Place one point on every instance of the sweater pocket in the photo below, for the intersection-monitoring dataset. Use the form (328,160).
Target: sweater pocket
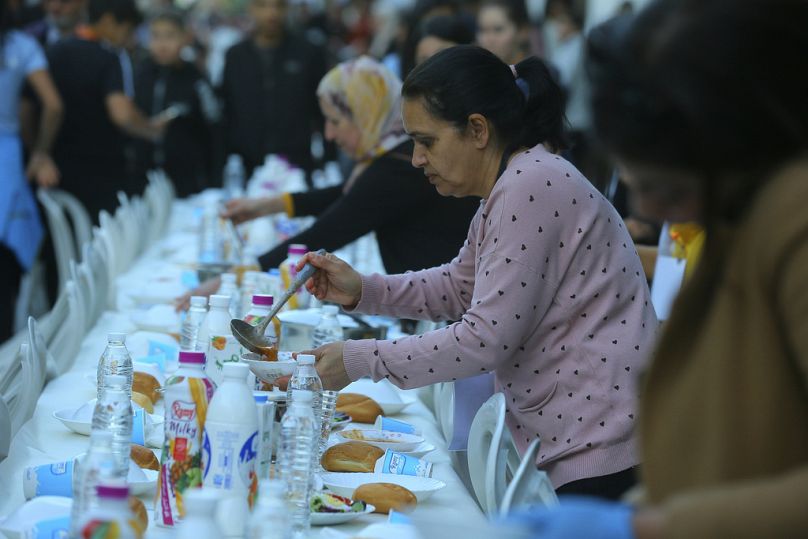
(528,408)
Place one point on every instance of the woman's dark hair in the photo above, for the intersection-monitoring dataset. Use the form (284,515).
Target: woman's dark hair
(171,16)
(466,79)
(421,12)
(450,28)
(716,87)
(515,10)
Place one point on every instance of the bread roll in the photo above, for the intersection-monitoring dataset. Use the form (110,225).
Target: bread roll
(362,409)
(143,401)
(144,457)
(147,384)
(139,511)
(351,457)
(386,496)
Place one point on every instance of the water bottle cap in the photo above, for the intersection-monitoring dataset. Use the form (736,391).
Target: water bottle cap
(236,371)
(264,300)
(305,359)
(98,435)
(188,357)
(302,396)
(220,301)
(199,301)
(228,277)
(200,501)
(115,380)
(112,491)
(116,337)
(298,249)
(330,309)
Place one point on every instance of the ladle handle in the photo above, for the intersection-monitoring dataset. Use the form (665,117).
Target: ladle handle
(300,279)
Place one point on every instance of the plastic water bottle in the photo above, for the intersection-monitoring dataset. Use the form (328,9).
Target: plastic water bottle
(269,519)
(297,449)
(230,448)
(97,466)
(305,377)
(113,414)
(234,176)
(229,287)
(189,335)
(200,511)
(328,329)
(115,360)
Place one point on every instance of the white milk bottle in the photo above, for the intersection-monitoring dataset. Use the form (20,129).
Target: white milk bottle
(222,347)
(230,448)
(288,273)
(188,393)
(259,310)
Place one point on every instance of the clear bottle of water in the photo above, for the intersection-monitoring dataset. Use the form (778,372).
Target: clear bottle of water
(115,360)
(234,176)
(229,287)
(305,377)
(297,448)
(97,466)
(269,519)
(113,414)
(328,329)
(189,336)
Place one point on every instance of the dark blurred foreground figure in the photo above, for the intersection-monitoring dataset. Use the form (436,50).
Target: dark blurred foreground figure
(704,106)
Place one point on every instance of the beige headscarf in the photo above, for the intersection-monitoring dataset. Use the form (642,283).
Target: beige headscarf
(368,94)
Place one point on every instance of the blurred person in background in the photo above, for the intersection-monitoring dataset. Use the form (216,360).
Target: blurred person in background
(414,225)
(439,33)
(269,90)
(423,11)
(61,19)
(703,106)
(165,81)
(503,28)
(21,61)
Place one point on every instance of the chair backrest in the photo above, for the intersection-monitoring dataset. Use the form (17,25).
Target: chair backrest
(59,228)
(69,334)
(530,487)
(5,429)
(99,272)
(79,217)
(446,407)
(20,398)
(83,296)
(39,351)
(492,456)
(50,323)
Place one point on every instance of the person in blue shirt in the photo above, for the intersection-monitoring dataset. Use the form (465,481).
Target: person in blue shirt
(21,60)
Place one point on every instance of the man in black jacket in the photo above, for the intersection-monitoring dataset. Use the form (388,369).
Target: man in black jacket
(269,90)
(167,83)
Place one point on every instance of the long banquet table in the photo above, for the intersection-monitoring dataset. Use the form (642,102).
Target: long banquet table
(43,439)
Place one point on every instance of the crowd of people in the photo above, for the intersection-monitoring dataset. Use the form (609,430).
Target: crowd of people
(484,148)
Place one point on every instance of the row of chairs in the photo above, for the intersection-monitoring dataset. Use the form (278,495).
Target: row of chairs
(47,348)
(502,480)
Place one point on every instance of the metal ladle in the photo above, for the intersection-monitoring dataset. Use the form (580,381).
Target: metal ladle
(252,337)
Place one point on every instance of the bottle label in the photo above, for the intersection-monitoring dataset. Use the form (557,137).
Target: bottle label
(223,349)
(112,527)
(48,480)
(186,404)
(229,458)
(400,464)
(266,427)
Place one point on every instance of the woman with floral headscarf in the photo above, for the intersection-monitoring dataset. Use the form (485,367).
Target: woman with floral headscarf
(416,227)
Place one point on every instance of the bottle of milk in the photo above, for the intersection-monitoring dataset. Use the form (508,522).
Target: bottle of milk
(187,395)
(222,347)
(230,448)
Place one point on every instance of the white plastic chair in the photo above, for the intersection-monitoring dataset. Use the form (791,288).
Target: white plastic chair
(60,231)
(83,296)
(99,274)
(20,398)
(530,487)
(82,225)
(40,355)
(5,429)
(492,456)
(68,335)
(446,410)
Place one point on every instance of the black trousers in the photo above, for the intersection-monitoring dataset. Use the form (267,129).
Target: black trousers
(10,278)
(609,487)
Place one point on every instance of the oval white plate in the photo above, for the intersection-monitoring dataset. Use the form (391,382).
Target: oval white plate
(330,519)
(344,484)
(269,371)
(147,486)
(397,441)
(421,450)
(84,427)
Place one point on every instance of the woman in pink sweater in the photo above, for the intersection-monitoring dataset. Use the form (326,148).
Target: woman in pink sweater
(548,291)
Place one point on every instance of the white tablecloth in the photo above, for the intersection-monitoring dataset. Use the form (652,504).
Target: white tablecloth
(43,439)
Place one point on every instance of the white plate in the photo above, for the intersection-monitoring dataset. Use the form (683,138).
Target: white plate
(84,427)
(269,371)
(344,484)
(421,450)
(330,519)
(397,441)
(383,392)
(18,523)
(159,318)
(147,486)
